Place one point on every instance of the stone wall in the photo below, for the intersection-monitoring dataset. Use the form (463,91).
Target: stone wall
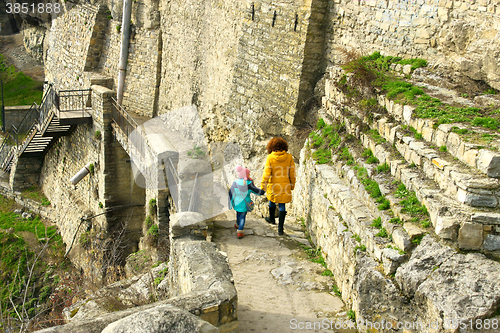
(463,35)
(279,58)
(67,47)
(14,115)
(140,89)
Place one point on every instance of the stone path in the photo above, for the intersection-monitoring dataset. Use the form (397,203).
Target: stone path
(279,289)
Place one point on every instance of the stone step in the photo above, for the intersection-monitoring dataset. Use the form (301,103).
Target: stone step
(464,183)
(475,155)
(348,198)
(451,219)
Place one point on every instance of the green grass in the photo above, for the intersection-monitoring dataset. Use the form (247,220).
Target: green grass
(360,247)
(315,255)
(19,89)
(377,223)
(346,156)
(356,238)
(382,233)
(376,136)
(383,168)
(351,315)
(336,290)
(16,253)
(322,156)
(324,139)
(35,193)
(396,220)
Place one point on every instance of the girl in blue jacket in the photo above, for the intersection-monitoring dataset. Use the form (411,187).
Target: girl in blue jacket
(239,197)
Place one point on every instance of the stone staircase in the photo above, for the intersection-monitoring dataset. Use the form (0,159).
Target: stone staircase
(405,267)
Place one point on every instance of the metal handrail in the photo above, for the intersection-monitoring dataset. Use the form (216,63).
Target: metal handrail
(128,126)
(74,100)
(192,200)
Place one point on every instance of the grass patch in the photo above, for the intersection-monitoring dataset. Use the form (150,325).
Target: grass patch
(351,315)
(17,253)
(362,248)
(336,290)
(322,156)
(376,136)
(377,223)
(19,89)
(383,168)
(397,249)
(382,233)
(35,193)
(315,255)
(417,239)
(346,156)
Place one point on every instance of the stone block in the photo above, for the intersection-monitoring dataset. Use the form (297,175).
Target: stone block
(391,260)
(476,200)
(491,242)
(424,260)
(470,236)
(489,162)
(447,227)
(401,239)
(441,137)
(440,163)
(475,288)
(427,133)
(470,157)
(397,111)
(407,113)
(486,218)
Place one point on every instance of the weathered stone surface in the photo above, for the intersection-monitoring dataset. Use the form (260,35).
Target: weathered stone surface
(491,242)
(489,162)
(464,286)
(391,259)
(470,236)
(161,319)
(447,227)
(424,259)
(476,200)
(117,296)
(377,295)
(486,218)
(401,239)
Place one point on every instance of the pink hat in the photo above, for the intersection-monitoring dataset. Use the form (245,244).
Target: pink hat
(241,171)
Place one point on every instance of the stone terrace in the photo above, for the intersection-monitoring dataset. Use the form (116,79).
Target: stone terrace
(458,186)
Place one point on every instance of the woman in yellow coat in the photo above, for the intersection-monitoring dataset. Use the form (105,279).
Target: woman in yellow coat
(278,179)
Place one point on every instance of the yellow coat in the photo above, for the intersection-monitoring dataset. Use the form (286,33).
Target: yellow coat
(278,179)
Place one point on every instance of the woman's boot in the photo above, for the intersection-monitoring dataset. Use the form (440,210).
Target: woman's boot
(271,217)
(281,222)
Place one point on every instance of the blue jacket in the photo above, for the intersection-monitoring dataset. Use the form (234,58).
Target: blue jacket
(240,192)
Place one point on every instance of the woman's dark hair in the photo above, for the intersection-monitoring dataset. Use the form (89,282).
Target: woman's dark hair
(277,144)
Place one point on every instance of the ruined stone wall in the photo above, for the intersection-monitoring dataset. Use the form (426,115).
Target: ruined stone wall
(461,34)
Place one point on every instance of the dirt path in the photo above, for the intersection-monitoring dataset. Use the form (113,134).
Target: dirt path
(279,289)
